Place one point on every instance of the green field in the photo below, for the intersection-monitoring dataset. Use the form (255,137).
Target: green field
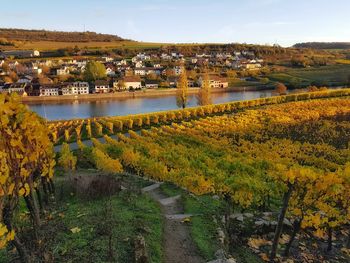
(335,75)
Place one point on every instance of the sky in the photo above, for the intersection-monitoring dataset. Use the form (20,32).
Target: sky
(283,22)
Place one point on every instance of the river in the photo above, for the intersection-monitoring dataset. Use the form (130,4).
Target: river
(119,107)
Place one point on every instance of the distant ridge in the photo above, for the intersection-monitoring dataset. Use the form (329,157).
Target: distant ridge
(14,34)
(324,45)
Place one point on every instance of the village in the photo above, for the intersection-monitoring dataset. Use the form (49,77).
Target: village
(31,73)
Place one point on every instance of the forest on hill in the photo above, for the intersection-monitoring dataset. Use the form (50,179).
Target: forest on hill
(12,34)
(324,45)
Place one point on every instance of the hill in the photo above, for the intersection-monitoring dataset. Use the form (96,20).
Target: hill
(323,45)
(13,34)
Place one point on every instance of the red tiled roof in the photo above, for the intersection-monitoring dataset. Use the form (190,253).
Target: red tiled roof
(132,79)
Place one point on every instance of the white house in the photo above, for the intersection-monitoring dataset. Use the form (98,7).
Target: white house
(215,82)
(151,84)
(165,56)
(62,71)
(49,90)
(101,86)
(78,87)
(250,66)
(138,64)
(147,70)
(107,59)
(132,82)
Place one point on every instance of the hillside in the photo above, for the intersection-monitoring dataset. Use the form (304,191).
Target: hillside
(323,45)
(11,34)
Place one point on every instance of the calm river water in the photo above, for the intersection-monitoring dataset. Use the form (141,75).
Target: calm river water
(119,107)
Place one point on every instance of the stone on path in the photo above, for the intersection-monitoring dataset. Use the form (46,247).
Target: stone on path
(169,200)
(150,188)
(178,216)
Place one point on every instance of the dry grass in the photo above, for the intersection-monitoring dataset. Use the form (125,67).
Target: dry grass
(51,45)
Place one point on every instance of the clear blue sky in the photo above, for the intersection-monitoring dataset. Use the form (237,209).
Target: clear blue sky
(251,21)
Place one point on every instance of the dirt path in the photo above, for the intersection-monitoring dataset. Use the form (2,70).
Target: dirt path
(178,244)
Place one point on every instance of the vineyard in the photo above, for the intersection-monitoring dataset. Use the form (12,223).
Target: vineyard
(83,129)
(290,161)
(259,180)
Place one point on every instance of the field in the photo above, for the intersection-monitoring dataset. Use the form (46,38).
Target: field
(250,160)
(50,45)
(334,75)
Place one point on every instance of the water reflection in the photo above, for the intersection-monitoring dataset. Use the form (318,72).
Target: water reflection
(125,106)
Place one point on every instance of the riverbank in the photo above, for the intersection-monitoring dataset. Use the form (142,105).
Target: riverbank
(128,95)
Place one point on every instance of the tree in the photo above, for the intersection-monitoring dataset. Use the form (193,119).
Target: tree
(121,85)
(281,89)
(26,167)
(13,76)
(45,70)
(204,94)
(5,66)
(67,160)
(94,71)
(182,90)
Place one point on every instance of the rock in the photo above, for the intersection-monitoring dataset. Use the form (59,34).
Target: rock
(216,197)
(221,235)
(235,215)
(262,222)
(220,254)
(287,222)
(223,220)
(178,216)
(140,250)
(249,215)
(150,188)
(222,258)
(267,214)
(240,218)
(273,223)
(225,260)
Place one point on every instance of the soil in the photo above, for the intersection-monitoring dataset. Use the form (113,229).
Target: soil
(178,244)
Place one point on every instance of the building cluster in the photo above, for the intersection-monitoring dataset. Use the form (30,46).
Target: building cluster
(52,77)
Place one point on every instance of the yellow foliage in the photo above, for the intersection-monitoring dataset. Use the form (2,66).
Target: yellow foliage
(105,163)
(67,159)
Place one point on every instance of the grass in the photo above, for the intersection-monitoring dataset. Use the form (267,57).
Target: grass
(203,228)
(334,75)
(54,45)
(245,255)
(131,214)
